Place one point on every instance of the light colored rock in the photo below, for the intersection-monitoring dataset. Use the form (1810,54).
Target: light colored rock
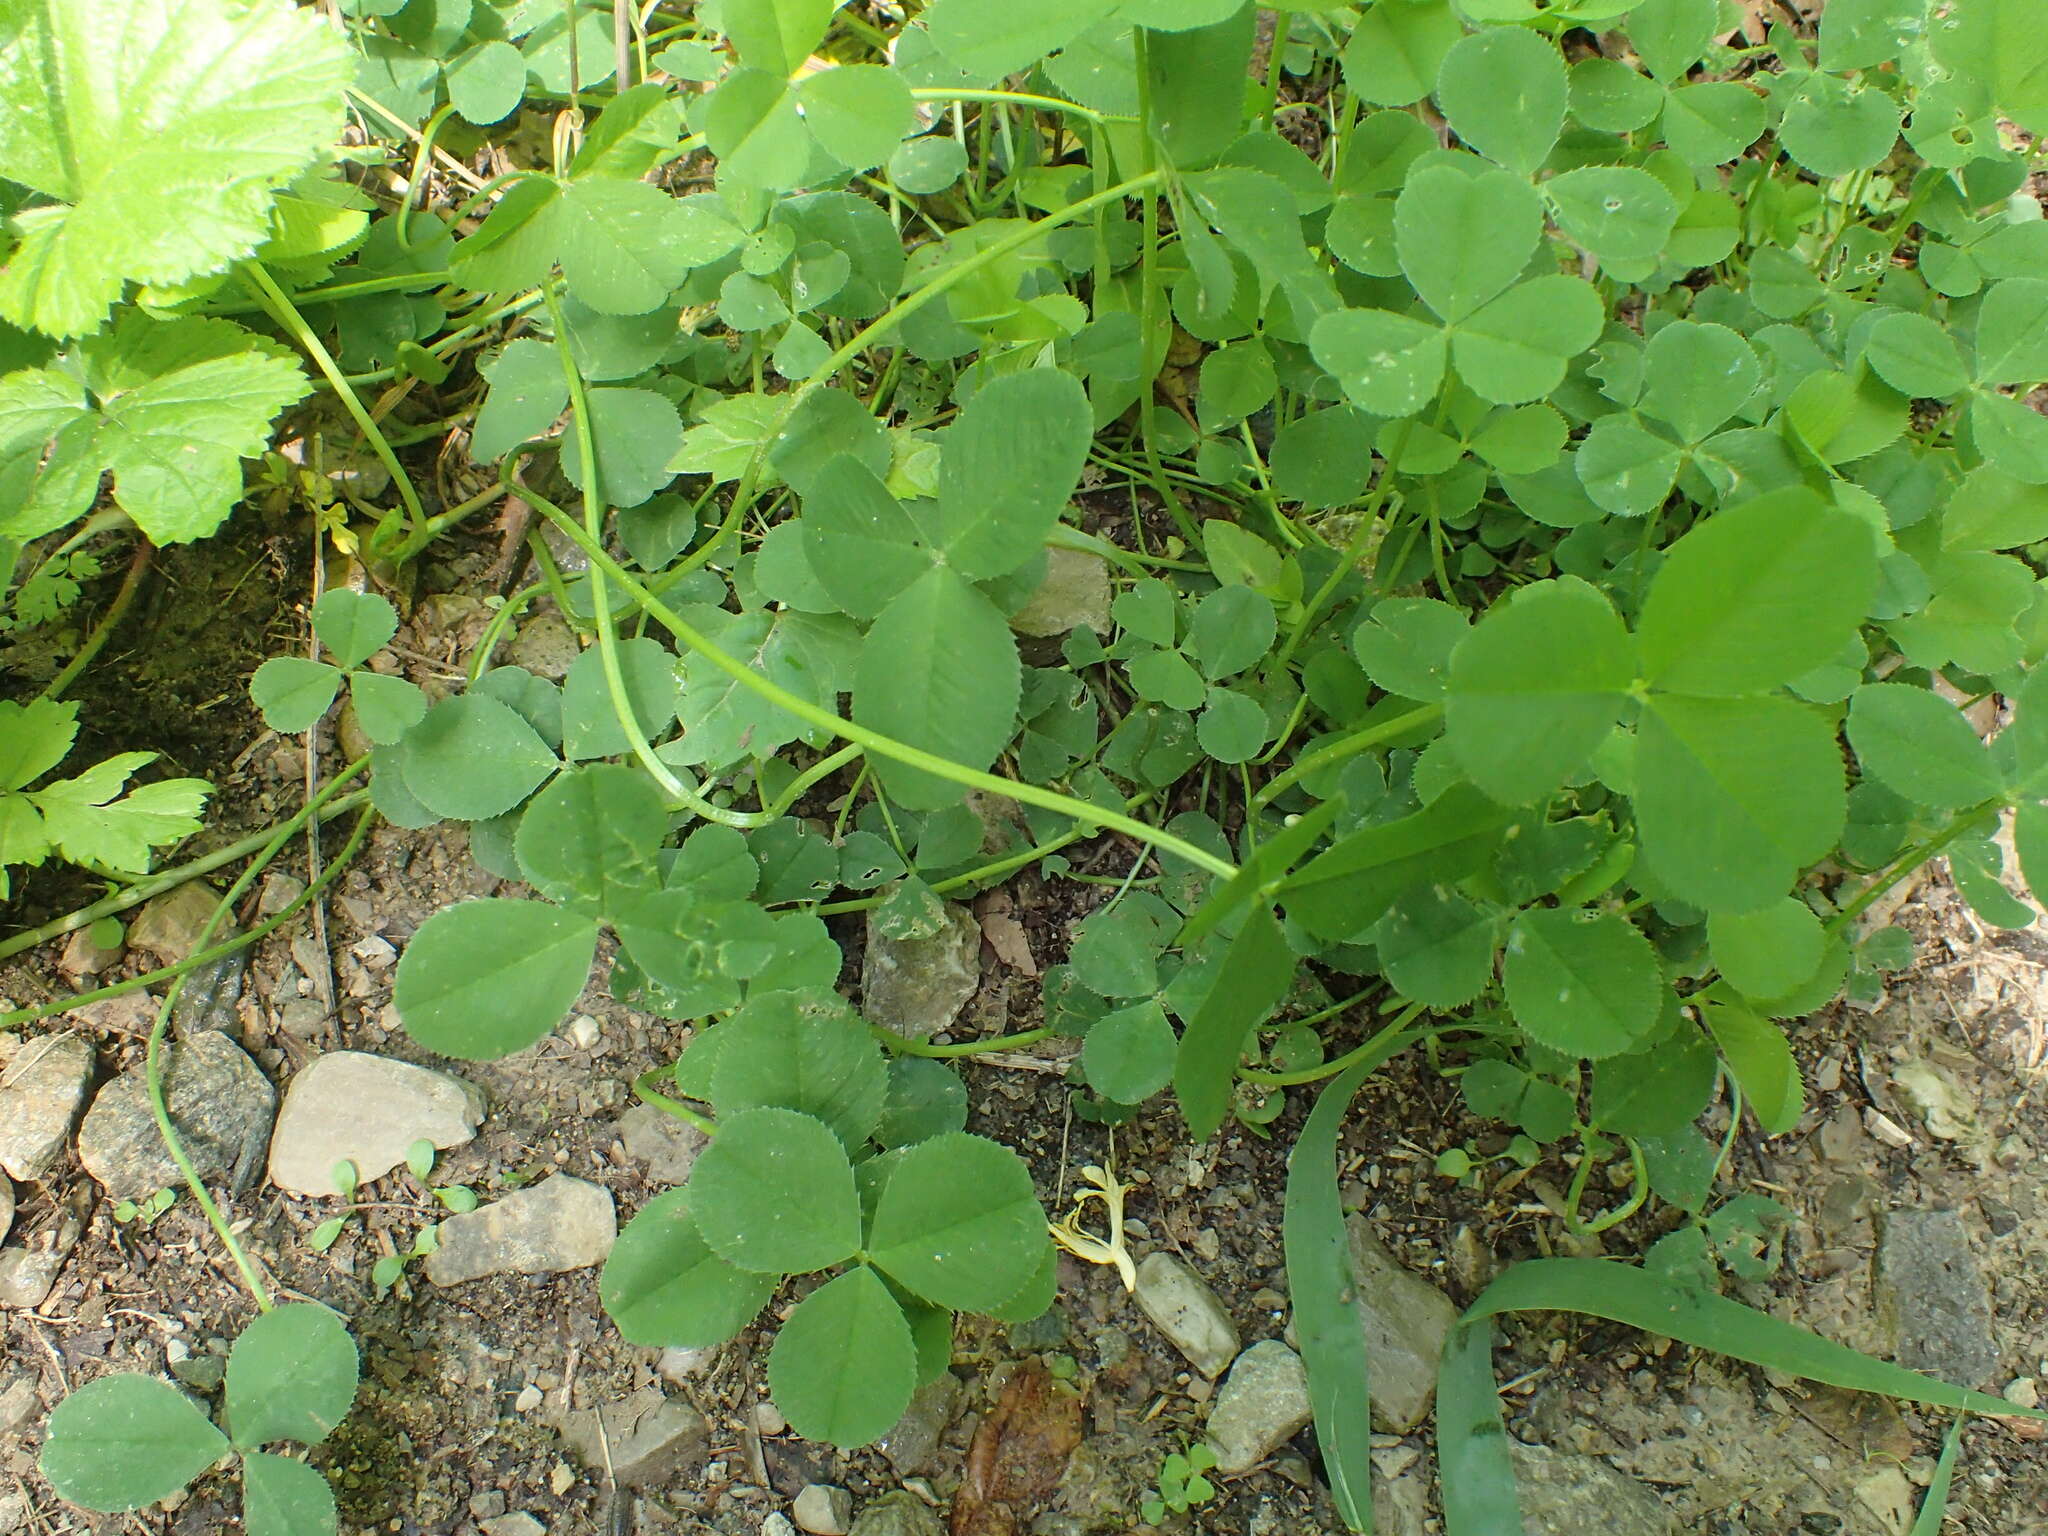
(219,1100)
(29,1273)
(1182,1307)
(1567,1495)
(519,1524)
(1406,1322)
(1262,1404)
(1931,1292)
(668,1146)
(682,1365)
(545,646)
(6,1206)
(911,1445)
(643,1439)
(1400,1504)
(349,1106)
(83,957)
(41,1093)
(777,1524)
(898,1514)
(1074,595)
(561,1223)
(18,1403)
(917,986)
(823,1510)
(168,926)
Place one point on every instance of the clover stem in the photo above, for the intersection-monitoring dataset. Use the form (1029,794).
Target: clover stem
(124,598)
(1384,1043)
(645,1091)
(1345,746)
(903,1046)
(152,1061)
(198,958)
(870,740)
(281,309)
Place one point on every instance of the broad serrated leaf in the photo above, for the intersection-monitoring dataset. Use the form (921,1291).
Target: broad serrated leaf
(291,1376)
(125,1441)
(1991,510)
(1914,355)
(1007,466)
(938,672)
(1515,348)
(662,1285)
(1658,1091)
(1128,1055)
(1919,745)
(1503,90)
(590,836)
(1389,364)
(635,432)
(1535,687)
(473,757)
(781,1053)
(1696,376)
(1713,122)
(844,1364)
(1586,983)
(1619,213)
(1670,36)
(293,693)
(1768,952)
(2012,332)
(957,1222)
(590,715)
(1395,51)
(1463,239)
(170,408)
(159,130)
(485,978)
(89,826)
(283,1497)
(1735,796)
(1755,596)
(1761,1061)
(1436,947)
(2001,45)
(773,1193)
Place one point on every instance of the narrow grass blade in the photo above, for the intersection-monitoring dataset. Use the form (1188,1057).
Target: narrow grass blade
(1327,1317)
(1934,1508)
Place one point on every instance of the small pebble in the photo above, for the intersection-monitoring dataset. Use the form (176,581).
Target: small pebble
(561,1479)
(529,1398)
(2024,1393)
(823,1510)
(768,1420)
(585,1032)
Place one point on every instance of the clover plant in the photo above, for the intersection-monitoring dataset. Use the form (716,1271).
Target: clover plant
(1563,477)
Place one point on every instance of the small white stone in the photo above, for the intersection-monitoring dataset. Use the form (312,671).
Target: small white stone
(2024,1393)
(530,1397)
(561,1479)
(585,1032)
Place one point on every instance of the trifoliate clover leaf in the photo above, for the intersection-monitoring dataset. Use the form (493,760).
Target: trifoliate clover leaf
(158,133)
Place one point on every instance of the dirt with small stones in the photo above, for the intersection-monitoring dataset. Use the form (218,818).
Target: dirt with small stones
(463,1389)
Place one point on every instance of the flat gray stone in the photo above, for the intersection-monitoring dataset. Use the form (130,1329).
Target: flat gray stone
(1406,1321)
(681,1365)
(668,1146)
(41,1093)
(29,1272)
(1933,1295)
(517,1524)
(559,1224)
(912,1444)
(349,1106)
(650,1437)
(917,986)
(898,1514)
(1182,1307)
(219,1100)
(1262,1404)
(1074,595)
(1567,1495)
